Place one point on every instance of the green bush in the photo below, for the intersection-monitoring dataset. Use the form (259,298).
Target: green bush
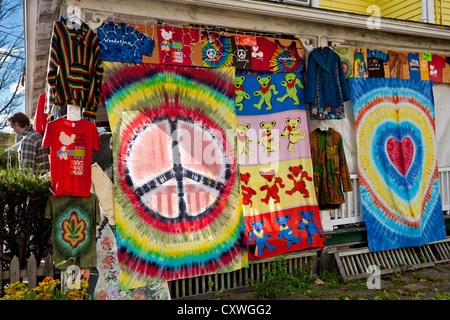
(23,228)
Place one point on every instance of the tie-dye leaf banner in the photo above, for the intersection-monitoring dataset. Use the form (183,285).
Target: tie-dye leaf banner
(277,190)
(176,188)
(397,166)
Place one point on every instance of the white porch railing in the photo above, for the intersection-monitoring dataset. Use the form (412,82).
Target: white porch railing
(350,212)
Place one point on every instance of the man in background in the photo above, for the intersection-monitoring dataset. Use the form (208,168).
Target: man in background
(31,153)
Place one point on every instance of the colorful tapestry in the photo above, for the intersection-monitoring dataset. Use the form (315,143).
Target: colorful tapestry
(176,189)
(242,51)
(395,135)
(74,221)
(107,285)
(286,59)
(216,50)
(175,45)
(276,173)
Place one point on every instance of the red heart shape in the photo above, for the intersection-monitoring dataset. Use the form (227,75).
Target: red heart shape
(401,153)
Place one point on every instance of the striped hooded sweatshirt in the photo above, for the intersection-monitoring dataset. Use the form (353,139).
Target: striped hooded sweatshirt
(75,70)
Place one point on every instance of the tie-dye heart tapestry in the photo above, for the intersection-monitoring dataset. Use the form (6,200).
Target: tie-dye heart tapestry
(276,172)
(176,192)
(397,166)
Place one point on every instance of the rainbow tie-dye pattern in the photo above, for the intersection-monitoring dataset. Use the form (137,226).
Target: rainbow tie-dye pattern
(176,192)
(395,134)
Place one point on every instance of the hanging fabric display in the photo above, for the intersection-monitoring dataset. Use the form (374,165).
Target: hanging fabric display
(375,63)
(360,67)
(71,144)
(121,42)
(75,68)
(346,60)
(414,66)
(395,134)
(423,60)
(435,66)
(176,198)
(175,45)
(326,87)
(216,50)
(241,46)
(384,63)
(262,52)
(107,285)
(398,65)
(73,230)
(277,191)
(286,59)
(331,175)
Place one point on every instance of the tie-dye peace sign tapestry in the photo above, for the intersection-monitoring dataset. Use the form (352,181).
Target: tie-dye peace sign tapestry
(276,172)
(395,135)
(176,192)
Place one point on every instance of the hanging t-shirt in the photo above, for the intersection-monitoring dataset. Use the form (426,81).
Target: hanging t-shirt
(242,49)
(414,66)
(424,74)
(175,45)
(261,54)
(286,59)
(435,67)
(216,50)
(375,63)
(74,223)
(71,144)
(40,121)
(121,42)
(360,67)
(396,62)
(346,57)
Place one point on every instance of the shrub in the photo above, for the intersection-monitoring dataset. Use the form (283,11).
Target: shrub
(23,228)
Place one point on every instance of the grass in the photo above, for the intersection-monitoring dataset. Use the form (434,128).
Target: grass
(301,284)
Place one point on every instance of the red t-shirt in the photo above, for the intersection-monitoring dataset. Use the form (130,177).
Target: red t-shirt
(41,116)
(175,45)
(435,67)
(71,144)
(261,54)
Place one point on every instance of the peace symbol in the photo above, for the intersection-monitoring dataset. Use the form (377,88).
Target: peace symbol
(211,53)
(175,169)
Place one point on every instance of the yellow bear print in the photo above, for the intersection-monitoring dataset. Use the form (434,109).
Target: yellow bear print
(243,140)
(267,138)
(293,132)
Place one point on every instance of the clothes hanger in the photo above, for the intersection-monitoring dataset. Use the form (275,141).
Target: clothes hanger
(74,17)
(73,113)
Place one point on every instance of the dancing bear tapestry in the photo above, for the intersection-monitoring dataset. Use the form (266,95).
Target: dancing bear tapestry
(176,189)
(397,165)
(277,191)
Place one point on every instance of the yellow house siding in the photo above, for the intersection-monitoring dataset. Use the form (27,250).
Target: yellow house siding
(442,12)
(404,10)
(356,6)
